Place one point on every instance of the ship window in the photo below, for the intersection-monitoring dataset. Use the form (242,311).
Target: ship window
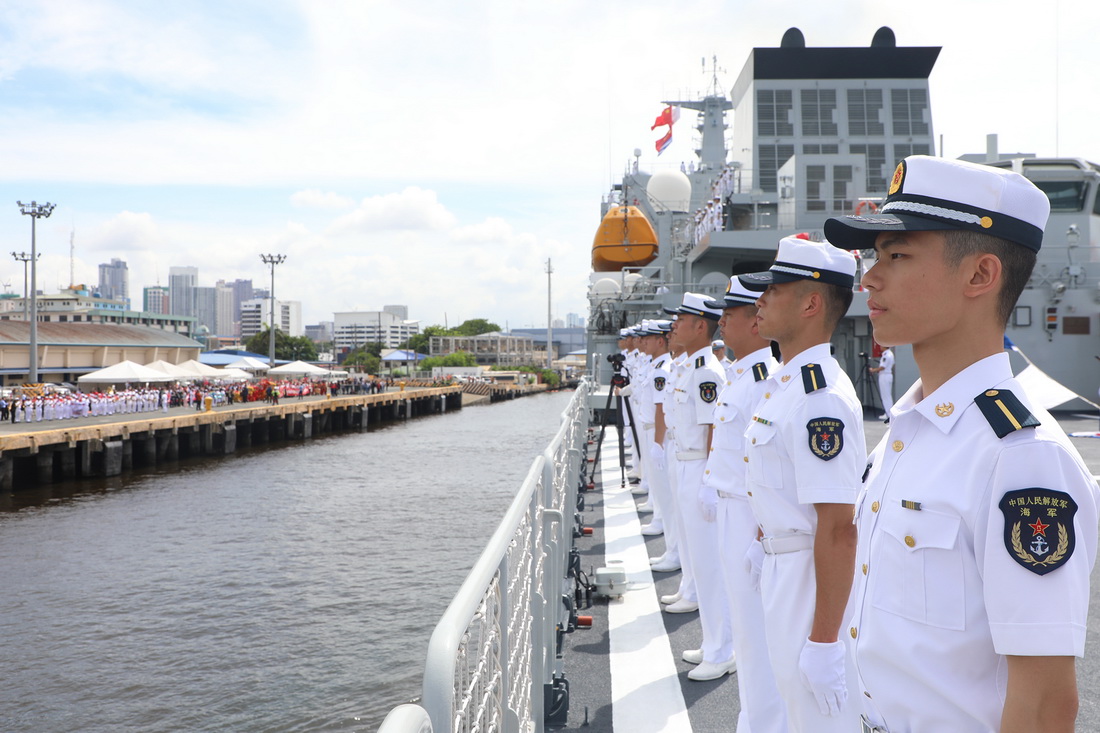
(876,161)
(818,112)
(773,112)
(904,150)
(815,176)
(842,176)
(908,107)
(864,112)
(1064,195)
(771,158)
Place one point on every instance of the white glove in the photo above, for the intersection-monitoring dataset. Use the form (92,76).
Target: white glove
(708,503)
(754,563)
(625,391)
(658,456)
(821,667)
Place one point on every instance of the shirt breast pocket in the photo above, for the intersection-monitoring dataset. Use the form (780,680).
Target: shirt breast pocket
(918,568)
(762,448)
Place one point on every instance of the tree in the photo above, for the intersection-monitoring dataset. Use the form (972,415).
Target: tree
(457,359)
(362,358)
(475,327)
(287,348)
(421,342)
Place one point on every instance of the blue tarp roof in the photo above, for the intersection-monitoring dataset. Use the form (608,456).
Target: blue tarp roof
(221,357)
(404,355)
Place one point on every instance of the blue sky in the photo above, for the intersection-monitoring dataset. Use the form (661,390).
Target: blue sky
(436,153)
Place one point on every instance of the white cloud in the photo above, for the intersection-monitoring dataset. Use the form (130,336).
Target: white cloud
(412,209)
(313,198)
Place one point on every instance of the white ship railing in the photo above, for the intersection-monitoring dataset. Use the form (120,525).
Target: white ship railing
(493,657)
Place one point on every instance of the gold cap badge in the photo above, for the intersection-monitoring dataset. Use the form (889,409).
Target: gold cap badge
(896,181)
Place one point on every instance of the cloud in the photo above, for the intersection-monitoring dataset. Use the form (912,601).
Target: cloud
(313,198)
(412,209)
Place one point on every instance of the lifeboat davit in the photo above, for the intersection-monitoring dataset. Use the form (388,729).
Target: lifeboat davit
(625,238)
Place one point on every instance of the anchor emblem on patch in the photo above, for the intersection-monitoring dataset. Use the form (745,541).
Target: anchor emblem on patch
(826,437)
(1038,529)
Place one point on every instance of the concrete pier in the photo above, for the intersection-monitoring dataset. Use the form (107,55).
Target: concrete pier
(36,454)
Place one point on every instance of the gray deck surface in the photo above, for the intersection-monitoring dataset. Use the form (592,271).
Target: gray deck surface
(713,706)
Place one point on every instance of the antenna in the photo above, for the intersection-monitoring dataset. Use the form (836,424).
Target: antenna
(72,257)
(7,286)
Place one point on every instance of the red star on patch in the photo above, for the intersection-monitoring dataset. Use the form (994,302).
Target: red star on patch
(1039,528)
(824,436)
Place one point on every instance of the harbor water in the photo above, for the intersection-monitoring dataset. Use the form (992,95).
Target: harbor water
(281,589)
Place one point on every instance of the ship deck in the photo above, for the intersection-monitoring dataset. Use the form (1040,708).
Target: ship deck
(625,673)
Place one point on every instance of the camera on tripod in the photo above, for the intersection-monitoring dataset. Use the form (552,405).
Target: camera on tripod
(618,379)
(616,360)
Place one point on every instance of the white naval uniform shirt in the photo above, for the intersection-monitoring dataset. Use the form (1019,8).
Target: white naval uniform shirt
(940,594)
(693,400)
(786,474)
(660,378)
(744,387)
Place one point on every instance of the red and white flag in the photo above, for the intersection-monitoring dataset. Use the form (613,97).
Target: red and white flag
(665,141)
(668,116)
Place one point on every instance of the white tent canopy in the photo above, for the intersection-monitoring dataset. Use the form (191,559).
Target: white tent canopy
(249,364)
(200,369)
(125,371)
(172,370)
(235,374)
(298,368)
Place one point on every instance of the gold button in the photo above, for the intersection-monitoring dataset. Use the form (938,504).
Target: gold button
(750,493)
(874,506)
(767,395)
(727,381)
(708,470)
(754,441)
(909,541)
(852,631)
(746,459)
(867,694)
(721,419)
(864,568)
(898,445)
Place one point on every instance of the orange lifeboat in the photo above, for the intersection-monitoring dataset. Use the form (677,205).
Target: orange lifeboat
(625,238)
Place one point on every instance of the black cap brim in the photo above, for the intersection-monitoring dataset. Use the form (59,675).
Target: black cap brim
(860,232)
(758,282)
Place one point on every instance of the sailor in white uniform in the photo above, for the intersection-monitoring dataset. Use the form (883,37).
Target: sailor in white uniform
(719,348)
(885,372)
(805,454)
(978,523)
(762,709)
(691,417)
(663,380)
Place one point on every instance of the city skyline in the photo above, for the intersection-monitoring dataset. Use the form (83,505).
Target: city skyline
(212,134)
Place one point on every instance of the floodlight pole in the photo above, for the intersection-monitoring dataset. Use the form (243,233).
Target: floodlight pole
(26,260)
(272,260)
(35,211)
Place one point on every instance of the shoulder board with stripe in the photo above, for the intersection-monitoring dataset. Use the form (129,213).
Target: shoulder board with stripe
(1004,411)
(700,362)
(813,378)
(760,371)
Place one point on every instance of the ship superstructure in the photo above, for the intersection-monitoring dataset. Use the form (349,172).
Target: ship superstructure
(808,133)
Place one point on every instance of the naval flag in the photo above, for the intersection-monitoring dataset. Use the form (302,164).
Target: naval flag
(668,116)
(664,142)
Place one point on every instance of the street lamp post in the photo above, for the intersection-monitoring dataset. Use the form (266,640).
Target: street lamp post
(272,260)
(35,211)
(26,260)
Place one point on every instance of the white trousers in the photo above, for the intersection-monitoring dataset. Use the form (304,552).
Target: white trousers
(762,708)
(699,546)
(886,390)
(659,493)
(788,587)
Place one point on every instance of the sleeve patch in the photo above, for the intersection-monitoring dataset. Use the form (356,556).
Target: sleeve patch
(1039,528)
(708,391)
(826,437)
(659,384)
(813,378)
(1004,411)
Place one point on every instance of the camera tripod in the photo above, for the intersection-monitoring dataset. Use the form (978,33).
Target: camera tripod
(618,379)
(867,384)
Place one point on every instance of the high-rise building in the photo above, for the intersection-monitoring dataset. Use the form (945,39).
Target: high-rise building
(401,311)
(358,328)
(155,299)
(206,309)
(225,311)
(182,282)
(114,281)
(256,314)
